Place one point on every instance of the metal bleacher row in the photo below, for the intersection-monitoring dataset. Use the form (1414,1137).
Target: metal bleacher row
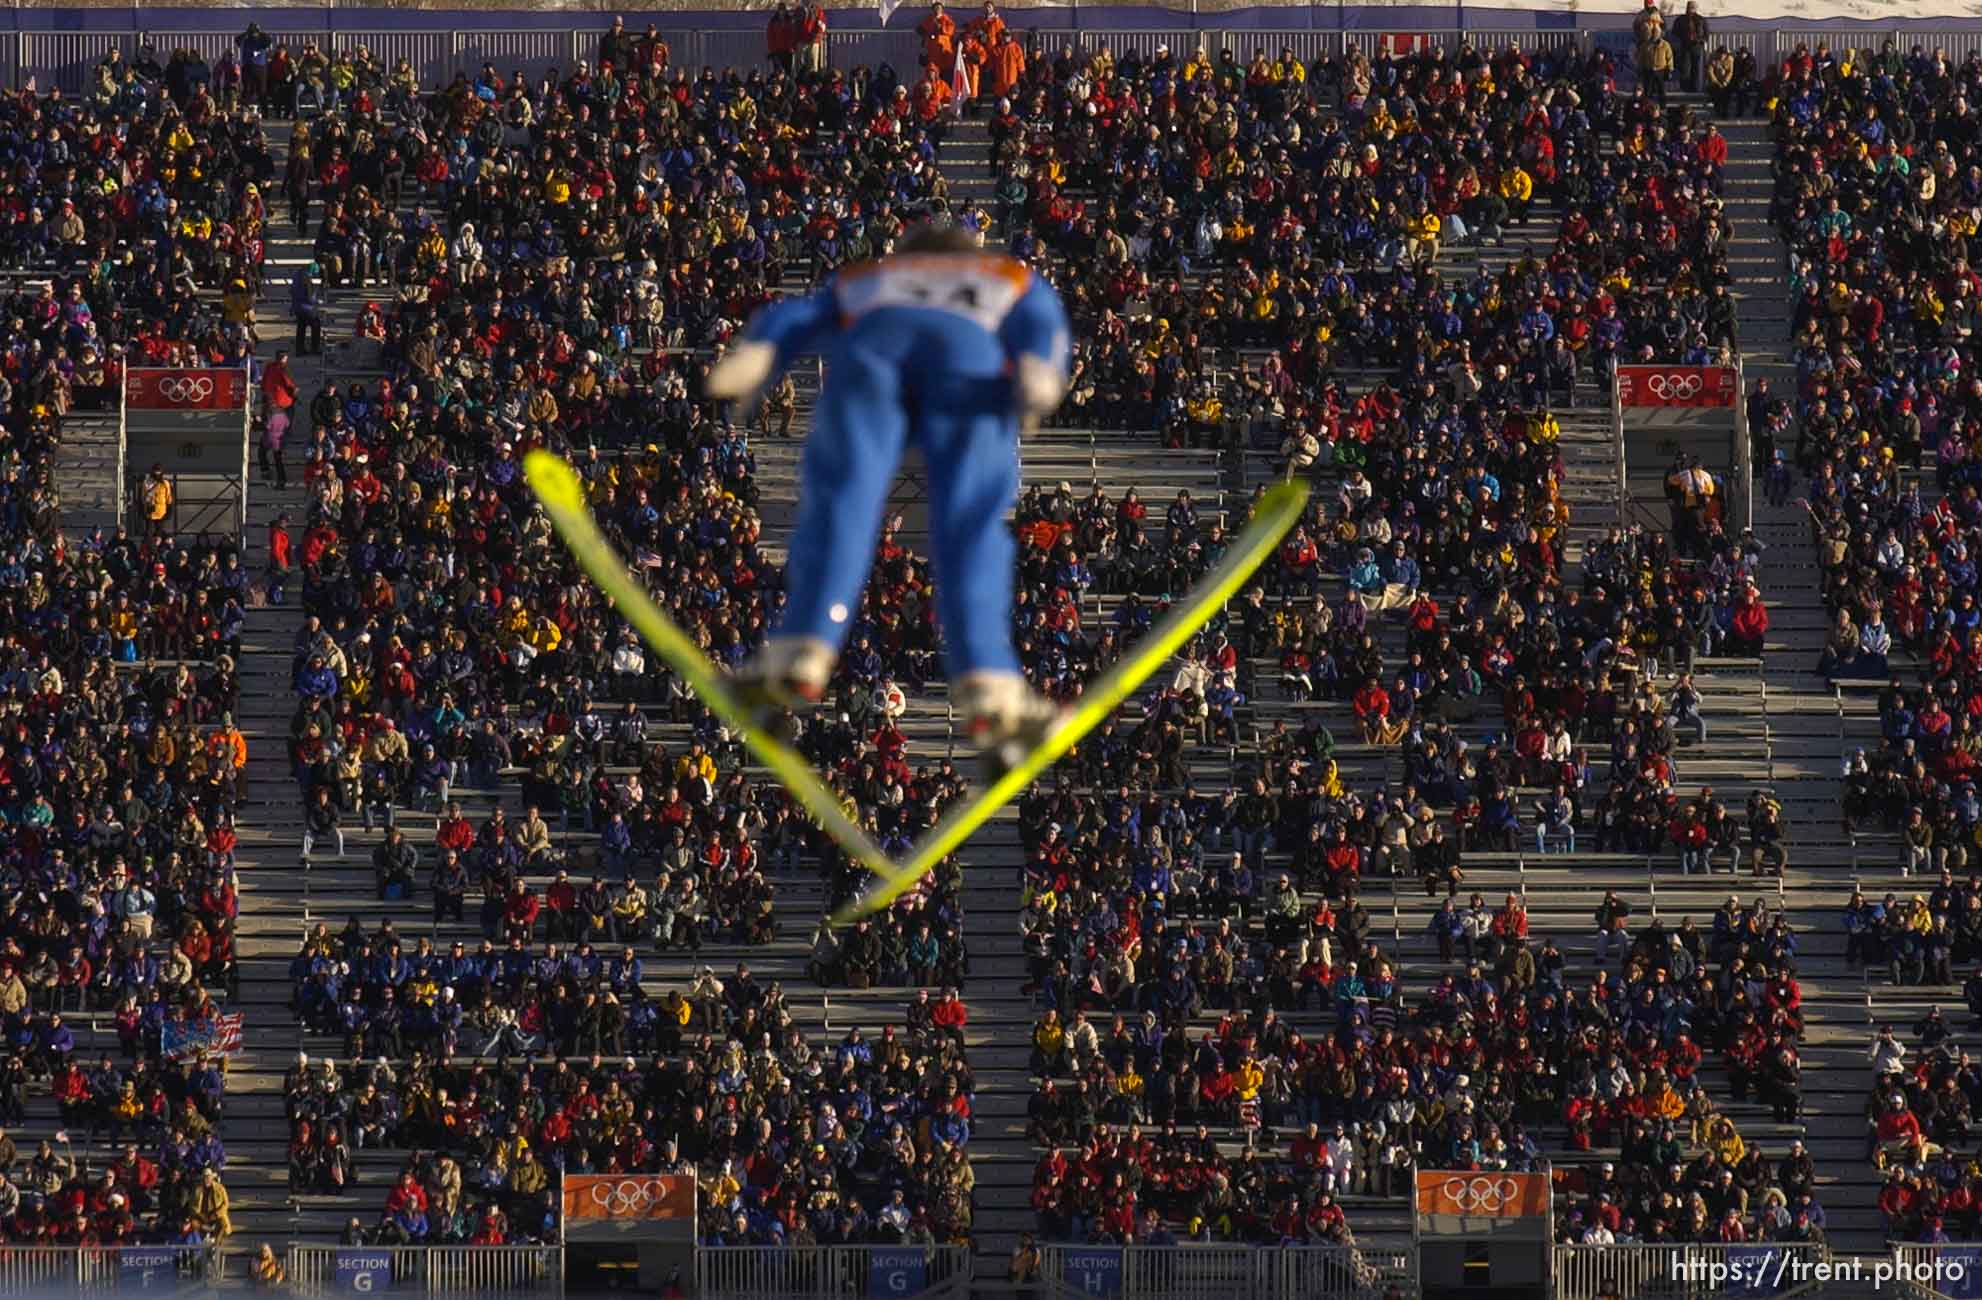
(1774,725)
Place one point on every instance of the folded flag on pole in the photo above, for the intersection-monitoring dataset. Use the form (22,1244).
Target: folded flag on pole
(220,1036)
(886,8)
(959,82)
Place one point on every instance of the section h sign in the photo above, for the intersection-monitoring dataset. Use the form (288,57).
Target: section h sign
(1675,386)
(1468,1203)
(186,390)
(1092,1270)
(660,1206)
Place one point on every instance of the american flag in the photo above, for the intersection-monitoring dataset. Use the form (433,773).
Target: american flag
(220,1036)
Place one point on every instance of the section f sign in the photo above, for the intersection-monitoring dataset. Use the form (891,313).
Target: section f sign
(1681,386)
(186,390)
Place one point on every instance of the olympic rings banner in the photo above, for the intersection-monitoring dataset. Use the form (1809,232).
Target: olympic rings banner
(629,1202)
(1681,386)
(1487,1195)
(186,390)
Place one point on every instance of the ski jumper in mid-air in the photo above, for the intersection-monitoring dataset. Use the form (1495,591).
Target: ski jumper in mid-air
(953,350)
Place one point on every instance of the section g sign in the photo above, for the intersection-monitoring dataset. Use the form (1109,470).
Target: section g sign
(364,1271)
(896,1271)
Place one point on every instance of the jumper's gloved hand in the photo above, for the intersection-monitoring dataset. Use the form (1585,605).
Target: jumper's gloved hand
(1040,385)
(740,374)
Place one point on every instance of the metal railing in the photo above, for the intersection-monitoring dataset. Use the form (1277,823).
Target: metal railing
(1224,1272)
(816,1273)
(1344,1272)
(1704,1269)
(123,453)
(1925,1272)
(437,1270)
(63,58)
(54,1270)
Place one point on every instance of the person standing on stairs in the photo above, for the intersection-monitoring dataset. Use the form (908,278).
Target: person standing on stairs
(156,495)
(1648,26)
(279,396)
(1654,52)
(1720,323)
(939,38)
(306,300)
(1761,407)
(1690,32)
(1006,64)
(1720,80)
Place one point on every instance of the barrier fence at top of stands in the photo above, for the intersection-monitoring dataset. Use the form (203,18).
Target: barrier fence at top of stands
(1194,1271)
(437,1270)
(1920,1272)
(819,1273)
(46,1270)
(1779,1269)
(1189,1271)
(62,59)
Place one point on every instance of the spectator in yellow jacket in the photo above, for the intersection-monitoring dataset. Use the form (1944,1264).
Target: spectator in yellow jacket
(1249,1078)
(1518,189)
(1049,1044)
(1421,235)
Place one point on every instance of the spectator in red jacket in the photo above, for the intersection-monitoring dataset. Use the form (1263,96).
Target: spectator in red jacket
(950,1015)
(1749,624)
(519,912)
(1372,707)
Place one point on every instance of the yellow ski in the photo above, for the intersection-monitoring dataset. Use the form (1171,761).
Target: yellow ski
(1278,511)
(563,496)
(557,485)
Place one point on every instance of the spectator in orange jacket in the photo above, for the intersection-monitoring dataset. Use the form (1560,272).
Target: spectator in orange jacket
(1004,64)
(987,27)
(932,95)
(229,745)
(939,38)
(975,55)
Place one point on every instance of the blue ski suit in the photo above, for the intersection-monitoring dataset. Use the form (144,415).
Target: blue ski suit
(934,349)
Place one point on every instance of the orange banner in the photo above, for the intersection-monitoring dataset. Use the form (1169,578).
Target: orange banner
(628,1197)
(1482,1195)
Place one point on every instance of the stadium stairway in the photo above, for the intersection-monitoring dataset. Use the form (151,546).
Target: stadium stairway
(86,465)
(1811,726)
(270,883)
(275,889)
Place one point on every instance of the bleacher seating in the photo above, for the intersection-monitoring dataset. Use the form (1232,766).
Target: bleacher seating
(425,570)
